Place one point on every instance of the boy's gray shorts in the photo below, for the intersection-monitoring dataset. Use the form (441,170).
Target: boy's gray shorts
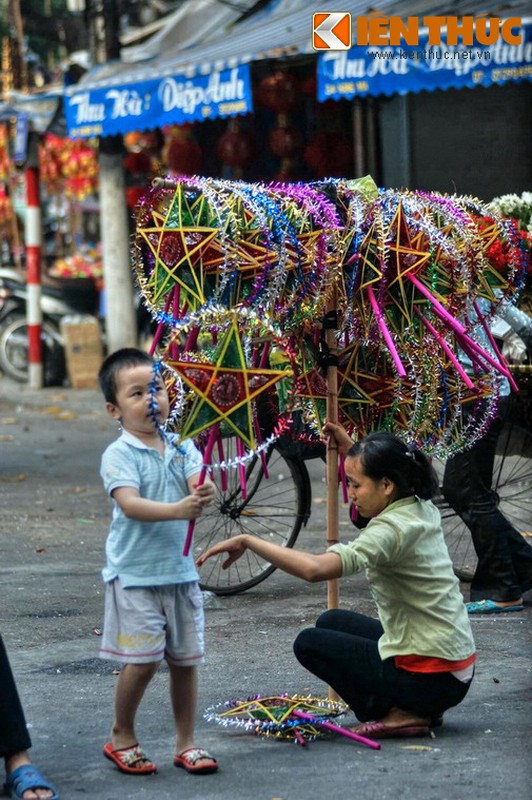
(147,624)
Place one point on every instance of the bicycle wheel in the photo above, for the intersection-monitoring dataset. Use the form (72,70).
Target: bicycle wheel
(512,481)
(276,505)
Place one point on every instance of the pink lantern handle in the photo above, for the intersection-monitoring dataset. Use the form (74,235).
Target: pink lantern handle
(385,332)
(337,729)
(206,462)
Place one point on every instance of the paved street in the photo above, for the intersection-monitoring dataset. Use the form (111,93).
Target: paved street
(53,527)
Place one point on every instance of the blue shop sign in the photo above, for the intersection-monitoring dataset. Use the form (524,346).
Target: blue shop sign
(20,146)
(388,70)
(106,111)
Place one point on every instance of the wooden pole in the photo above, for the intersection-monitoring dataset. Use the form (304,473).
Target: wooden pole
(330,325)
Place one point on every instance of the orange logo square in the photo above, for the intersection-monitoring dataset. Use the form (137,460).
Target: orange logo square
(331,31)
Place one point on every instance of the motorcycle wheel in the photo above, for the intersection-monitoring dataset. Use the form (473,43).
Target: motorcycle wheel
(14,352)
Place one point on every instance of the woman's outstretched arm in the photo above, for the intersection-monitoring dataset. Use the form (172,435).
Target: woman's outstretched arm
(310,567)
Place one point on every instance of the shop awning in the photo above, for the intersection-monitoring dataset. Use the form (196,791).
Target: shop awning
(119,97)
(385,70)
(212,78)
(39,109)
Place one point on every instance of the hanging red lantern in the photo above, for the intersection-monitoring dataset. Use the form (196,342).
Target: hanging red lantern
(133,195)
(286,141)
(309,85)
(329,154)
(279,92)
(138,163)
(287,172)
(236,148)
(182,153)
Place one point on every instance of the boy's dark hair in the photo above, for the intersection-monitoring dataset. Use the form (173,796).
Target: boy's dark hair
(125,357)
(383,455)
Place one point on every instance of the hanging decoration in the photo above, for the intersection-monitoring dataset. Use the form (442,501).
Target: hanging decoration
(181,152)
(50,164)
(329,154)
(79,164)
(281,94)
(236,147)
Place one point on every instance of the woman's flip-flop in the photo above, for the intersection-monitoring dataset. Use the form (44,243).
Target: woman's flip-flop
(197,761)
(377,730)
(131,760)
(26,778)
(490,607)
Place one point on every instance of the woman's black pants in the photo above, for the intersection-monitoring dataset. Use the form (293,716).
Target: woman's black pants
(14,736)
(342,651)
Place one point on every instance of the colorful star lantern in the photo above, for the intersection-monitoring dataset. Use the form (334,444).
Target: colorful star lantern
(296,718)
(228,377)
(273,716)
(178,250)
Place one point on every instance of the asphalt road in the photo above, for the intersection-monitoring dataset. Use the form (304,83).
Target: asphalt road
(54,517)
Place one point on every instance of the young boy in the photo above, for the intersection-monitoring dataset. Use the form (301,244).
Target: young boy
(153,603)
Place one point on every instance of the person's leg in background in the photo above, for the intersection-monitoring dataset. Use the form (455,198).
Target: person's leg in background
(504,558)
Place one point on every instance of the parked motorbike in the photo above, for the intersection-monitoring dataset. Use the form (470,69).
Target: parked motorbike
(70,297)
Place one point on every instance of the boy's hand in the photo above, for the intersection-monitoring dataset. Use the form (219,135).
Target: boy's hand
(343,440)
(206,492)
(190,507)
(235,547)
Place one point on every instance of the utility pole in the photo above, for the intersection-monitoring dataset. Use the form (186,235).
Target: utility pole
(120,318)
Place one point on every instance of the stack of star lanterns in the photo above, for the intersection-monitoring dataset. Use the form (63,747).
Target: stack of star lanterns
(243,278)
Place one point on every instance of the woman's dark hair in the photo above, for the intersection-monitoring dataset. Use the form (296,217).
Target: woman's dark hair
(126,357)
(383,455)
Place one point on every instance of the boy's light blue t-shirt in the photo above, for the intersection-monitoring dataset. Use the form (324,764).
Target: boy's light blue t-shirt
(149,553)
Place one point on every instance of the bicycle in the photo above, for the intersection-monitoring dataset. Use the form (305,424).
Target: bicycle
(278,501)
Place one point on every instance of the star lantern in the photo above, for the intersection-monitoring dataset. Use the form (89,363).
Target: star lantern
(227,377)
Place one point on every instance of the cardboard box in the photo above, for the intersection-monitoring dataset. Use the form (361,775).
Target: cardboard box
(83,350)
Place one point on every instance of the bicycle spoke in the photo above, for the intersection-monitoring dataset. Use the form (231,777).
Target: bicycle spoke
(272,510)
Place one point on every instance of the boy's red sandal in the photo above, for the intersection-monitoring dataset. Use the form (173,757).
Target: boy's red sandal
(131,760)
(196,760)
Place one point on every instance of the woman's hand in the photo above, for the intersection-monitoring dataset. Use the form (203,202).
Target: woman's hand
(235,547)
(343,440)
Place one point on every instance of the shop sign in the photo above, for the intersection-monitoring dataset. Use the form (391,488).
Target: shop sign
(403,68)
(173,99)
(20,142)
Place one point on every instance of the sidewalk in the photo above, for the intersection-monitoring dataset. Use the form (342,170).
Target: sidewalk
(54,523)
